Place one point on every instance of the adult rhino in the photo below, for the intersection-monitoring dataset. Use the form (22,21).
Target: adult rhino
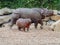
(26,13)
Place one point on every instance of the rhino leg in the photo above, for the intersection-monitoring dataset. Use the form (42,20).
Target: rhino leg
(24,28)
(19,28)
(41,22)
(36,24)
(13,21)
(28,28)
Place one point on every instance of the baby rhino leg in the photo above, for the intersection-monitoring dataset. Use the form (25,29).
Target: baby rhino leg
(24,28)
(19,28)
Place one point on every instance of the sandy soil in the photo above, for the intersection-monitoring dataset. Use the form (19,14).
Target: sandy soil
(32,37)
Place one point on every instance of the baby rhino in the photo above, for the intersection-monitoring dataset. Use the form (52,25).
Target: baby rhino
(23,23)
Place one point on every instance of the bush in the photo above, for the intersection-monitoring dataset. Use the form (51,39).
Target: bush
(51,4)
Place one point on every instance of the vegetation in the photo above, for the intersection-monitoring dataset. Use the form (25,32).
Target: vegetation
(50,4)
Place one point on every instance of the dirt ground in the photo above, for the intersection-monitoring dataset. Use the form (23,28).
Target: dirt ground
(32,37)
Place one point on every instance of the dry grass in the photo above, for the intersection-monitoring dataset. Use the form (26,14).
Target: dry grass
(32,37)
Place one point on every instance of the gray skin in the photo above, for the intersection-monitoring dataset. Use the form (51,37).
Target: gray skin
(27,13)
(44,13)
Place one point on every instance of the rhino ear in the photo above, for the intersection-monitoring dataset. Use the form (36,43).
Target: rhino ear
(42,11)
